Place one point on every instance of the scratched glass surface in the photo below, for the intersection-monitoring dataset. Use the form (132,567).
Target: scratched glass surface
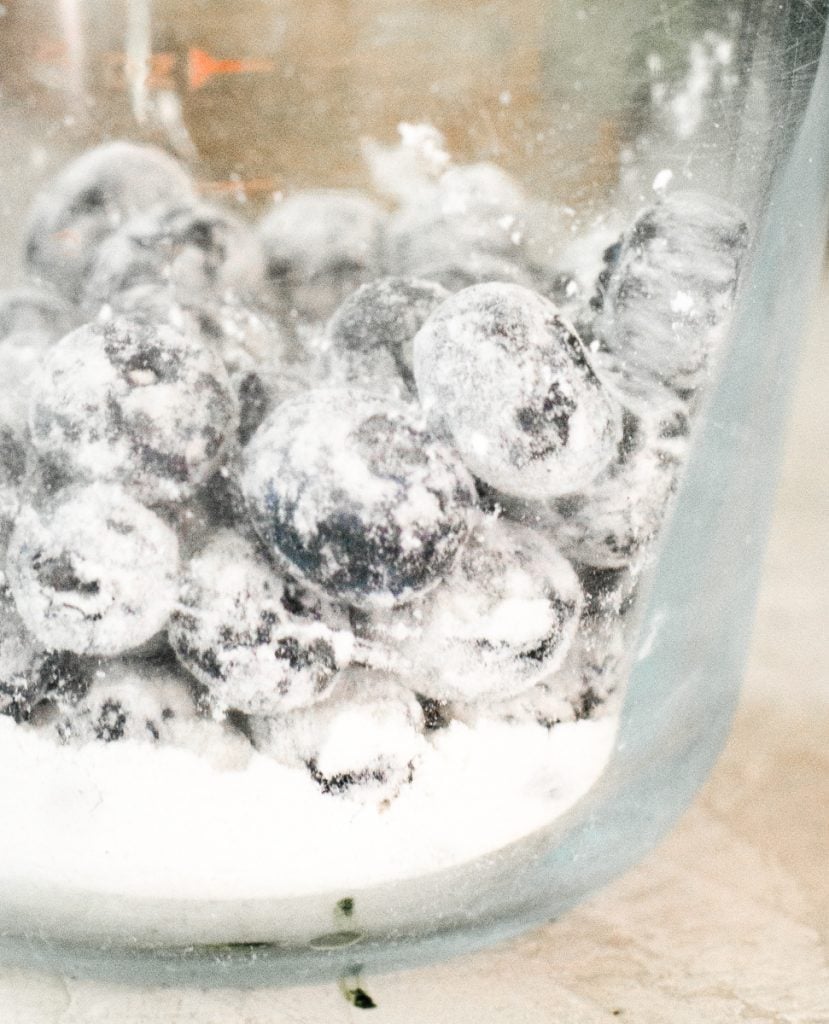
(280,95)
(262,97)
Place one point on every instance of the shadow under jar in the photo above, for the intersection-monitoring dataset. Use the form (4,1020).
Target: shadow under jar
(391,403)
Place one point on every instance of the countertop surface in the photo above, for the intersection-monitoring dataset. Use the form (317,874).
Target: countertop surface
(727,921)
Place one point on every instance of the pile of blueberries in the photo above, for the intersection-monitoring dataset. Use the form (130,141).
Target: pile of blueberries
(339,477)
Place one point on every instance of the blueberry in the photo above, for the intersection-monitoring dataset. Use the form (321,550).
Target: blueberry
(371,333)
(353,493)
(250,341)
(135,403)
(88,200)
(503,620)
(249,637)
(363,744)
(194,250)
(255,350)
(455,250)
(472,228)
(94,572)
(583,686)
(127,701)
(667,290)
(504,376)
(320,245)
(613,522)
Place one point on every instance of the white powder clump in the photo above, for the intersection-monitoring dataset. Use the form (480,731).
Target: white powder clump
(88,818)
(407,172)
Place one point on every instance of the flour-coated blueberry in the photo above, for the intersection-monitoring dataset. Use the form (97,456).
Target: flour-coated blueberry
(503,620)
(666,292)
(363,744)
(136,403)
(613,522)
(320,245)
(94,572)
(356,495)
(506,379)
(370,335)
(88,200)
(241,629)
(195,250)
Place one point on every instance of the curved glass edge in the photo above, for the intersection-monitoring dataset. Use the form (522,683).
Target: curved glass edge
(695,636)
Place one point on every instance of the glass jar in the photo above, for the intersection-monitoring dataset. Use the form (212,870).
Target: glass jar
(596,111)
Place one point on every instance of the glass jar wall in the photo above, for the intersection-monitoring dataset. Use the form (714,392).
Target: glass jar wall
(555,129)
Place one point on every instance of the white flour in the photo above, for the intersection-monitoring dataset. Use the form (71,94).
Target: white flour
(165,822)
